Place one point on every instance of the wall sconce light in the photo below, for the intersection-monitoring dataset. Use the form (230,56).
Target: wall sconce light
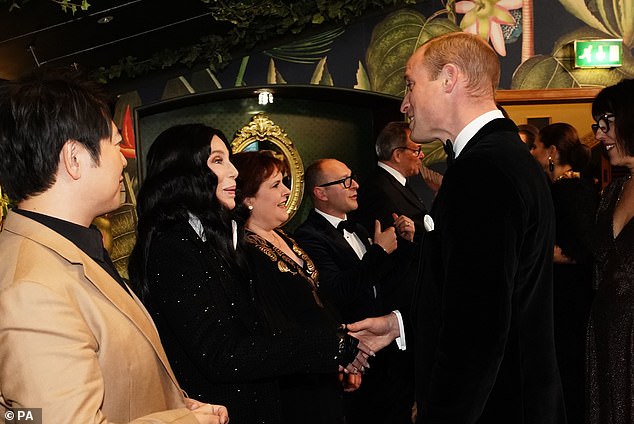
(606,53)
(264,97)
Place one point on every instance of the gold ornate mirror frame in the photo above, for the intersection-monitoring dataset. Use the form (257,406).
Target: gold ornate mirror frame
(262,129)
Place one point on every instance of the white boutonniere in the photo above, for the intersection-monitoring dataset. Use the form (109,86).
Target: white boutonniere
(428,222)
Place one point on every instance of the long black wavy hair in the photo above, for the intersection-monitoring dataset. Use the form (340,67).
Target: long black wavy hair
(179,183)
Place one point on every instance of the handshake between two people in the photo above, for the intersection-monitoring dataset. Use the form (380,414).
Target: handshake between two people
(362,339)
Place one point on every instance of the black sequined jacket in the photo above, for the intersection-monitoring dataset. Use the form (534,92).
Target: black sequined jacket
(221,352)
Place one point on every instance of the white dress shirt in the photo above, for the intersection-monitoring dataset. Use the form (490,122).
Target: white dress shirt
(472,128)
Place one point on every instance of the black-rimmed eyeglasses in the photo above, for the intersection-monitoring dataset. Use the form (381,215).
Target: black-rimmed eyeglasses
(603,123)
(416,152)
(346,181)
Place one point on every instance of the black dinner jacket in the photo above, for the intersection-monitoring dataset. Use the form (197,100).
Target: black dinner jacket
(483,313)
(380,195)
(344,278)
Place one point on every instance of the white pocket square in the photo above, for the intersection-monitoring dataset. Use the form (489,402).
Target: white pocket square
(428,222)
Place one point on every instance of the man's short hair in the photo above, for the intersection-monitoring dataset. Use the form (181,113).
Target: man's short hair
(393,135)
(471,54)
(39,113)
(314,175)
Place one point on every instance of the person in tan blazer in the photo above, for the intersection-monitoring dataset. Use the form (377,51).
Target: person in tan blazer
(74,339)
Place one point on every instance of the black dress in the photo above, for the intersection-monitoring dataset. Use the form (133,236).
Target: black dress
(220,350)
(289,297)
(575,201)
(610,355)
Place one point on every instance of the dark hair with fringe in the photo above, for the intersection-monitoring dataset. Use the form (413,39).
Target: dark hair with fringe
(179,183)
(39,113)
(617,99)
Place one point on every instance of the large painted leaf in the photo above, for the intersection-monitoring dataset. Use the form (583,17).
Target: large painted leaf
(393,41)
(558,71)
(309,50)
(542,72)
(614,17)
(434,152)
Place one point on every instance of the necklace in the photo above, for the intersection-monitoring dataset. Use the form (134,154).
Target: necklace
(308,271)
(569,173)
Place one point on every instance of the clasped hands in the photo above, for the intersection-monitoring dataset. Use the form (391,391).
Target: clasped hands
(207,413)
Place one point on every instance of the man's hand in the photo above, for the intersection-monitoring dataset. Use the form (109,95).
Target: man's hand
(207,413)
(404,227)
(376,333)
(386,239)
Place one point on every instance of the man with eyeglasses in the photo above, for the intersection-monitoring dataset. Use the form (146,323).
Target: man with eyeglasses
(353,271)
(387,190)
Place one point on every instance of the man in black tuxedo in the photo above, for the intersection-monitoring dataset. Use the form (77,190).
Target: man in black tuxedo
(353,270)
(483,314)
(387,191)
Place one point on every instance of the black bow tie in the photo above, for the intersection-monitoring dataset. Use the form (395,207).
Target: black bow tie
(451,155)
(347,225)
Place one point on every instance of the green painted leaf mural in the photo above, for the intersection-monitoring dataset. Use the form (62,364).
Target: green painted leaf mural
(393,41)
(614,17)
(558,71)
(434,152)
(542,72)
(308,50)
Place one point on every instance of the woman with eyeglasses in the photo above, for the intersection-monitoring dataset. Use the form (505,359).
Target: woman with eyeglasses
(563,157)
(286,285)
(188,265)
(610,342)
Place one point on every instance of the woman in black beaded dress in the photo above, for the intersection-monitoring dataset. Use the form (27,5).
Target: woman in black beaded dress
(562,155)
(187,266)
(610,344)
(286,283)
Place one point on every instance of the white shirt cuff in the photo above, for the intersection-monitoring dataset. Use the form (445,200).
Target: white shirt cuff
(400,340)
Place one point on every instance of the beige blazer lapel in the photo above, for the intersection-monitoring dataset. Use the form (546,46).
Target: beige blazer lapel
(130,306)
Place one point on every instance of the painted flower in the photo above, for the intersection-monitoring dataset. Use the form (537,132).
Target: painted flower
(483,17)
(128,145)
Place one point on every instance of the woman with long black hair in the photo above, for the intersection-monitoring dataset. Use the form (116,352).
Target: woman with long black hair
(188,267)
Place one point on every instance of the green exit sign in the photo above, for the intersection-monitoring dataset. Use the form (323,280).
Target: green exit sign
(598,53)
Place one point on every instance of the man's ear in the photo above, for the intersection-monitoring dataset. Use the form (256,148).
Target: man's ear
(70,158)
(319,193)
(449,77)
(396,155)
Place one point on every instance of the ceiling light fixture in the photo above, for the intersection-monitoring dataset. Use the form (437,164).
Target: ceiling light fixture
(264,97)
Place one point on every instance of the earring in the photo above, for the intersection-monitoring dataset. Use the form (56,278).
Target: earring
(250,207)
(551,164)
